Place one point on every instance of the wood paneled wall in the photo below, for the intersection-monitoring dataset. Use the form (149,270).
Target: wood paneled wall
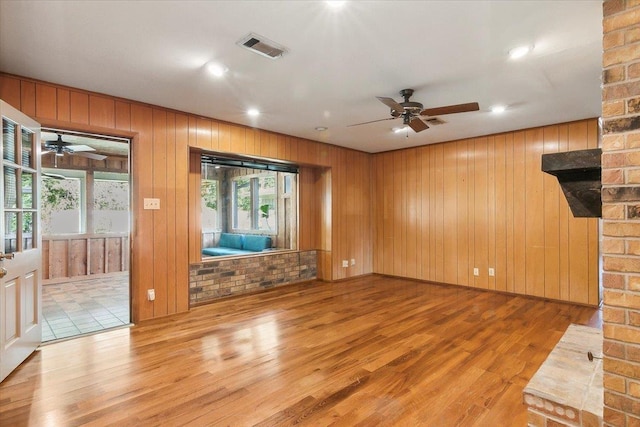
(441,210)
(431,213)
(161,140)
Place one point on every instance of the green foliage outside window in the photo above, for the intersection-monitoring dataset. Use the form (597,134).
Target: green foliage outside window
(209,193)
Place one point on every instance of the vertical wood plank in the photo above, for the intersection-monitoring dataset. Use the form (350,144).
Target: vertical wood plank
(462,212)
(388,222)
(122,115)
(509,214)
(551,191)
(534,221)
(159,168)
(46,101)
(293,149)
(281,147)
(425,161)
(79,107)
(142,265)
(102,111)
(411,214)
(250,142)
(500,213)
(224,137)
(238,143)
(398,220)
(63,108)
(377,182)
(171,208)
(28,98)
(10,91)
(450,183)
(520,193)
(491,212)
(182,215)
(439,213)
(481,258)
(203,134)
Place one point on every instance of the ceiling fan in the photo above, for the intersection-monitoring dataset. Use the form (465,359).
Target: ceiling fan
(410,111)
(60,148)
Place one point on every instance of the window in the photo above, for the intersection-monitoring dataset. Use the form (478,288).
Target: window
(67,210)
(210,214)
(110,203)
(62,198)
(254,203)
(247,197)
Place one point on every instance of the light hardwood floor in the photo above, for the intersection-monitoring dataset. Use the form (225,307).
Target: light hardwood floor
(368,351)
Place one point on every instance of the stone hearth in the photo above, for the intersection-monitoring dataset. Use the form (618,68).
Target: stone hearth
(567,389)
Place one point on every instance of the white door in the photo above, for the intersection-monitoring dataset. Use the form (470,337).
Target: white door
(20,248)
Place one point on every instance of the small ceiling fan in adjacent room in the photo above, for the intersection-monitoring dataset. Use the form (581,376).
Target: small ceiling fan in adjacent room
(60,148)
(410,111)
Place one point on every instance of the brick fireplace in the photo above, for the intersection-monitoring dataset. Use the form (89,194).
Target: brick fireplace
(621,211)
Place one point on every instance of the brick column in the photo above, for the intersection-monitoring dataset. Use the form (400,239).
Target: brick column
(621,211)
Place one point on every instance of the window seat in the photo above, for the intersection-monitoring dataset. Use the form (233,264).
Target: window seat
(238,244)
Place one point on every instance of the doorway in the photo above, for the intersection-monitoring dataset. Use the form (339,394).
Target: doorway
(85,226)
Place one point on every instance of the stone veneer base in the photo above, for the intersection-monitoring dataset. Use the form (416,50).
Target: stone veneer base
(214,278)
(567,389)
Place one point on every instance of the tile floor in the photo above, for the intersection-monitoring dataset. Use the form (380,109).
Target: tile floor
(81,307)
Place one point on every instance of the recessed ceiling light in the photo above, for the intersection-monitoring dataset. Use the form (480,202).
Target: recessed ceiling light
(520,51)
(253,112)
(217,69)
(498,109)
(335,4)
(321,128)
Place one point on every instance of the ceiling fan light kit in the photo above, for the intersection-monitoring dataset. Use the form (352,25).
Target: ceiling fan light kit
(410,111)
(520,51)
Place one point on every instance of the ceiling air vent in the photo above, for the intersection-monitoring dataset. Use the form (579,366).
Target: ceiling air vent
(434,121)
(262,46)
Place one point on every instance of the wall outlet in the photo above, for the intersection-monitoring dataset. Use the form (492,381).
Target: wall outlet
(153,204)
(353,261)
(151,294)
(492,272)
(345,263)
(476,271)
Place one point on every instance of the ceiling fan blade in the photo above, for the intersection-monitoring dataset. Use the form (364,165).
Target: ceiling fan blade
(417,125)
(53,175)
(79,147)
(450,109)
(372,121)
(88,155)
(391,103)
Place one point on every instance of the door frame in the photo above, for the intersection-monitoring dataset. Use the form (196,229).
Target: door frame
(133,138)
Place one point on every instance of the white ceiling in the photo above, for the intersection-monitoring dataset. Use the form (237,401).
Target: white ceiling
(450,52)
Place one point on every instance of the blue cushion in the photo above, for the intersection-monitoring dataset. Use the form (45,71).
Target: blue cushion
(233,241)
(224,252)
(256,243)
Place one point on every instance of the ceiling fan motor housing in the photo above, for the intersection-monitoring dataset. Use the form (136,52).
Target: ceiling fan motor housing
(411,108)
